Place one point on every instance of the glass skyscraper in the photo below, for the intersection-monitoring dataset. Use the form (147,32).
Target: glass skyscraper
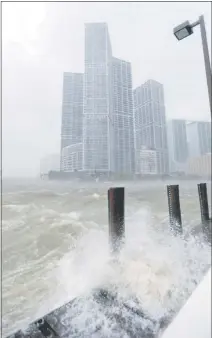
(178,145)
(150,122)
(123,142)
(199,138)
(72,112)
(97,127)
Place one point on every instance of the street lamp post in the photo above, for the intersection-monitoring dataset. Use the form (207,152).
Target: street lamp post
(186,29)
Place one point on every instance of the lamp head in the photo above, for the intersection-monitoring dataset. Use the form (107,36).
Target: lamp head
(183,30)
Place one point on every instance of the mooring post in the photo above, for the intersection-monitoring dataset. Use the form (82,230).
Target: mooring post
(116,218)
(203,201)
(204,209)
(175,219)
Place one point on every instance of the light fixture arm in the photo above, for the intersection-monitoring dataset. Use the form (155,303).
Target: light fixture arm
(196,23)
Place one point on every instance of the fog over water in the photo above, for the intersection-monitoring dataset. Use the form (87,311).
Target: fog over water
(55,247)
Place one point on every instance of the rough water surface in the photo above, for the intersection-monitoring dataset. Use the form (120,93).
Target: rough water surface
(55,248)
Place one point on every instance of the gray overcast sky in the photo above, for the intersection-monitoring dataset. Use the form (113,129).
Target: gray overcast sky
(42,40)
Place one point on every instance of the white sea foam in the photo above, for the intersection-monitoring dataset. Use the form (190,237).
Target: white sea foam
(17,207)
(60,254)
(96,196)
(160,271)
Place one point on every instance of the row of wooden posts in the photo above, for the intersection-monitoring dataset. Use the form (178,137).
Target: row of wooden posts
(116,213)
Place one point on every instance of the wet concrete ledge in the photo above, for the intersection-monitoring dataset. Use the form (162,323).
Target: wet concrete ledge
(102,314)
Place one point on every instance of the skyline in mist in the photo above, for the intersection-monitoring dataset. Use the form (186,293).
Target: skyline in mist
(43,40)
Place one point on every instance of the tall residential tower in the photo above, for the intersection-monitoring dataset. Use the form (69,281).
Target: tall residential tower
(150,123)
(123,141)
(199,138)
(97,127)
(178,145)
(71,129)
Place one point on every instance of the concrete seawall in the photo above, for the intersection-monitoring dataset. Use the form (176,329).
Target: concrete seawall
(194,319)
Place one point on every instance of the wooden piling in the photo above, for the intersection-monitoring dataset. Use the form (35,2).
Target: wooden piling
(116,218)
(204,210)
(203,201)
(175,219)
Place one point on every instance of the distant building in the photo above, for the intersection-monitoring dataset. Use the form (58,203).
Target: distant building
(72,111)
(199,138)
(146,162)
(200,166)
(97,126)
(72,158)
(122,117)
(150,122)
(177,145)
(50,162)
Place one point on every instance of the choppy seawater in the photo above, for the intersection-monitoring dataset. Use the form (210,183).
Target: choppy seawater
(55,247)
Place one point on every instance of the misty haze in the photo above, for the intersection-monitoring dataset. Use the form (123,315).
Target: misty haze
(99,96)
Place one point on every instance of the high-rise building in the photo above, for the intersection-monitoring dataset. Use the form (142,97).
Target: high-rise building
(177,145)
(199,138)
(147,162)
(150,123)
(122,117)
(72,158)
(200,166)
(97,126)
(72,112)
